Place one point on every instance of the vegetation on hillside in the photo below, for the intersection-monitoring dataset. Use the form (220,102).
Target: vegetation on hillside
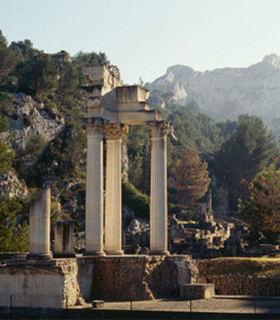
(238,149)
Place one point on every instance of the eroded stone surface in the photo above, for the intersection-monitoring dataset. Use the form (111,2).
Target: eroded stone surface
(50,284)
(135,277)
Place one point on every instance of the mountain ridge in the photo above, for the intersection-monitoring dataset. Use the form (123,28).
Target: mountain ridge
(225,93)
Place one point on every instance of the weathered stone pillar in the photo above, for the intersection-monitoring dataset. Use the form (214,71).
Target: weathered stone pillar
(64,239)
(39,226)
(94,187)
(158,206)
(113,198)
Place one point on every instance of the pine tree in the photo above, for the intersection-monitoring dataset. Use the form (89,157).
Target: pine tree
(14,236)
(8,58)
(248,150)
(191,180)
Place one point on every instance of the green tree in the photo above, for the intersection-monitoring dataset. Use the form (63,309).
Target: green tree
(194,128)
(136,200)
(6,155)
(190,179)
(262,207)
(68,85)
(33,149)
(248,150)
(82,59)
(40,76)
(8,59)
(6,104)
(14,232)
(24,50)
(138,150)
(4,124)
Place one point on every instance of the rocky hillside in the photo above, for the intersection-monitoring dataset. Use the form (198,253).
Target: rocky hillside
(226,93)
(32,118)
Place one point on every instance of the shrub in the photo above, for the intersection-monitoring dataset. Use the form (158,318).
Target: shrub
(6,104)
(135,200)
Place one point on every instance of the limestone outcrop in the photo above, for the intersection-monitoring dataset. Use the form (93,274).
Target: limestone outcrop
(10,186)
(32,118)
(228,92)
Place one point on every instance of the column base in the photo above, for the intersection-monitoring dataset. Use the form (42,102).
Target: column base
(159,253)
(43,256)
(100,253)
(114,252)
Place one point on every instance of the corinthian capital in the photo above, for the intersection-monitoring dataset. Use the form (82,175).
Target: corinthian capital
(95,125)
(115,131)
(158,129)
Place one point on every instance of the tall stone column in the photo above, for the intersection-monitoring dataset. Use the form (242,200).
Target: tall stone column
(158,206)
(39,226)
(94,187)
(113,198)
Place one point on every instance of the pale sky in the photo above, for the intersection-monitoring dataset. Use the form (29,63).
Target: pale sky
(144,37)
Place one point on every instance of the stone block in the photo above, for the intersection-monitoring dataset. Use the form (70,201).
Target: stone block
(44,284)
(64,239)
(132,94)
(197,291)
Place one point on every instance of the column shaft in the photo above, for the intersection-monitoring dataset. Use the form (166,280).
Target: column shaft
(113,199)
(39,225)
(158,205)
(94,190)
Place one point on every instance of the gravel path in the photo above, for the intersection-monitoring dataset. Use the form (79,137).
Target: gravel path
(218,304)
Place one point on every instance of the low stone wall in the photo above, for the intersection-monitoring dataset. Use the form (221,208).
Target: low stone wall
(244,285)
(59,283)
(242,276)
(136,277)
(49,284)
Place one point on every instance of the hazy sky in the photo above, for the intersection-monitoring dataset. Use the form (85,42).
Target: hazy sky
(144,37)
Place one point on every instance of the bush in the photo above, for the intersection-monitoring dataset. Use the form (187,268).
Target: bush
(14,231)
(135,200)
(50,108)
(4,124)
(6,104)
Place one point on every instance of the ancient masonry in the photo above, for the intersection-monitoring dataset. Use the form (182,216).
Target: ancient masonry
(43,282)
(111,108)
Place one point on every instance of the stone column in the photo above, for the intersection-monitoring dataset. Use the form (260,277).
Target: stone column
(94,187)
(64,239)
(158,206)
(39,226)
(113,198)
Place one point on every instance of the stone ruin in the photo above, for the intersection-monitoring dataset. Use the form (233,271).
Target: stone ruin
(112,107)
(46,282)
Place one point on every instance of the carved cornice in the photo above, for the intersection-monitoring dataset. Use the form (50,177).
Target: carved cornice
(95,125)
(115,131)
(115,71)
(159,129)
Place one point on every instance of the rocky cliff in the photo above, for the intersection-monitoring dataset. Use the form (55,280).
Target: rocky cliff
(32,118)
(226,93)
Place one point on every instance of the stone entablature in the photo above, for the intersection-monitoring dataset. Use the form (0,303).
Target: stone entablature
(111,108)
(109,99)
